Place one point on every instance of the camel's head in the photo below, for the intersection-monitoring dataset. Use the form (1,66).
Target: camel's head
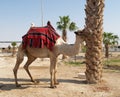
(81,35)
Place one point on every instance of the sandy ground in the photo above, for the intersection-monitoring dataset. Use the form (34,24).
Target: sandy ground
(70,85)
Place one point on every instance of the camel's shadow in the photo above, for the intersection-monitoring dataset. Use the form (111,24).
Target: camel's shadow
(8,83)
(8,87)
(75,81)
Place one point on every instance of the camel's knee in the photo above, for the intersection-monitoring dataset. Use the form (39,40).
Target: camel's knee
(52,72)
(55,71)
(18,62)
(25,67)
(14,70)
(20,58)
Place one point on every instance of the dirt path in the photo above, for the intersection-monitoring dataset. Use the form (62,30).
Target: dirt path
(70,85)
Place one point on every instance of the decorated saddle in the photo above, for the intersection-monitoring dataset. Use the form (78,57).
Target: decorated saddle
(38,37)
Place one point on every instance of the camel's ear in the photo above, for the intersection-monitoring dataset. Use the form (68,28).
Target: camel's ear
(79,32)
(76,33)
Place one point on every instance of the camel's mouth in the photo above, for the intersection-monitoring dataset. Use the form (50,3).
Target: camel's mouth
(76,33)
(79,32)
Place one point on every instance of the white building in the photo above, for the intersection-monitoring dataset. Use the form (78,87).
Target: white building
(115,48)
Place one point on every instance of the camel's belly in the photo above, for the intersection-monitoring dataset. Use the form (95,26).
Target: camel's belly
(39,52)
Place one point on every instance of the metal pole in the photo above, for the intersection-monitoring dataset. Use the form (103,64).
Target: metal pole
(41,18)
(41,13)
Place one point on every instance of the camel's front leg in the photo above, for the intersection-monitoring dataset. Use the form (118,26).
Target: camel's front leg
(55,71)
(52,73)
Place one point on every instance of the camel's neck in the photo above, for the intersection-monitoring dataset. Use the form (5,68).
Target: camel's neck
(69,49)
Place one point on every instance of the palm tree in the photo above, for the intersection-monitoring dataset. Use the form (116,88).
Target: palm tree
(108,40)
(13,45)
(65,24)
(94,31)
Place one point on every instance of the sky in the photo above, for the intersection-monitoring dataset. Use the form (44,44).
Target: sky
(16,16)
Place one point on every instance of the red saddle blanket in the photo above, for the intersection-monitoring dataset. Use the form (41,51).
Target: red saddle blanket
(38,37)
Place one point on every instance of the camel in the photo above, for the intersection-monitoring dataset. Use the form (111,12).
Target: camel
(60,47)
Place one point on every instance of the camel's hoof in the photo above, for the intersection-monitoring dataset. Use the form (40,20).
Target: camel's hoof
(56,83)
(52,87)
(35,81)
(18,85)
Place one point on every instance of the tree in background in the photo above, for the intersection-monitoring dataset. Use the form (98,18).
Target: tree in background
(64,24)
(9,49)
(13,45)
(109,40)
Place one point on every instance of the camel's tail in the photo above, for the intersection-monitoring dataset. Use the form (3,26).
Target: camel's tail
(20,54)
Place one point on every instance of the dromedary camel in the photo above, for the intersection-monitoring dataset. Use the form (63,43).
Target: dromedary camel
(60,47)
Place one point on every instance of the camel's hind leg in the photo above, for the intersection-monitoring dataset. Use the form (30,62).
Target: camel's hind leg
(20,57)
(29,61)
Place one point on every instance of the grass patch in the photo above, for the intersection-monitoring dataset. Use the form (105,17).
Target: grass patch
(74,63)
(112,62)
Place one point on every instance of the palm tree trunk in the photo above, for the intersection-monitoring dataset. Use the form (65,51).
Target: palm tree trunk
(106,50)
(94,31)
(64,37)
